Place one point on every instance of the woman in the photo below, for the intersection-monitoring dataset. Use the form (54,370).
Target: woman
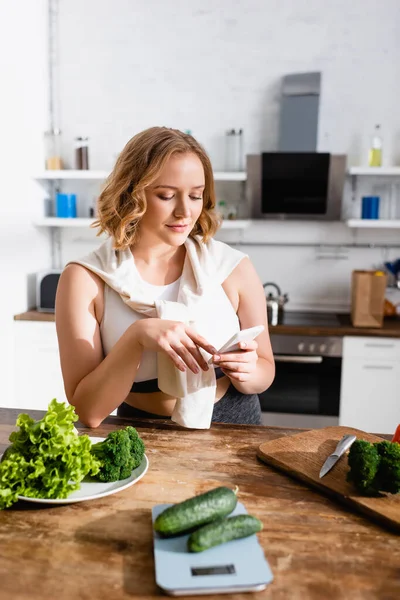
(157,207)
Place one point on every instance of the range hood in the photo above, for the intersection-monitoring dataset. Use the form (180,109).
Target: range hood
(297,181)
(298,127)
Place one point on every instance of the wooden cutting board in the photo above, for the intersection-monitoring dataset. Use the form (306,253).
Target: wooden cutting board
(302,456)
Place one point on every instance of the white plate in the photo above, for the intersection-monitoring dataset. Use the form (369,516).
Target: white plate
(97,489)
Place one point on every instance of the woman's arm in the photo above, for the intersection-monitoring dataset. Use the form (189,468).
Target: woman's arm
(253,370)
(93,384)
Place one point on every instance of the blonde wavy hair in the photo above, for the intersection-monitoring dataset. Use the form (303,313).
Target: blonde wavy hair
(122,203)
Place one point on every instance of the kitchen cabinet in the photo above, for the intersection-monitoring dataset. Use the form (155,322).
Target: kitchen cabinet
(370,384)
(37,371)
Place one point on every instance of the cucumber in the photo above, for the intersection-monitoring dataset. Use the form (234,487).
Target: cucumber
(223,530)
(195,511)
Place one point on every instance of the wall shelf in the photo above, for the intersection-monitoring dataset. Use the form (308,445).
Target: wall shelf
(218,175)
(236,224)
(72,174)
(375,171)
(85,223)
(374,223)
(102,175)
(230,175)
(63,223)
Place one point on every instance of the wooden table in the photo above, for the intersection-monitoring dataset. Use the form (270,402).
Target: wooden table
(102,549)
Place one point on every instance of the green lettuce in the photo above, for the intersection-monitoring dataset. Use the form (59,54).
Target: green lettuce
(46,459)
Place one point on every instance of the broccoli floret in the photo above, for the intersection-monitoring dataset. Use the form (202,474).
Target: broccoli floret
(375,467)
(364,461)
(120,453)
(389,466)
(114,454)
(137,446)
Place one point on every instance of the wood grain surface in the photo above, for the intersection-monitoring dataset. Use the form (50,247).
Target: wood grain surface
(35,315)
(102,549)
(303,455)
(390,328)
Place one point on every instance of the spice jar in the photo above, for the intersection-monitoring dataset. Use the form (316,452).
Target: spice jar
(82,153)
(53,150)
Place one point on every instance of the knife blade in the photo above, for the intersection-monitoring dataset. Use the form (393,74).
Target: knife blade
(340,449)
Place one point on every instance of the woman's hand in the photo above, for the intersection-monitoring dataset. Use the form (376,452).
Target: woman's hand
(239,365)
(179,341)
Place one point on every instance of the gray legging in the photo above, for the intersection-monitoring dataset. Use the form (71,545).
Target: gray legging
(233,407)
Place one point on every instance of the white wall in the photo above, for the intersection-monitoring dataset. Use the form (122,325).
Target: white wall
(23,249)
(210,66)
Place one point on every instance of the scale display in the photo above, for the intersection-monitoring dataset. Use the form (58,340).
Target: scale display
(224,570)
(236,566)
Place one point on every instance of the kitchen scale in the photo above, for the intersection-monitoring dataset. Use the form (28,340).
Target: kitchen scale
(233,567)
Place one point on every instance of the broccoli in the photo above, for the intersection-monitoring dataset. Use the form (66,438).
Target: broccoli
(389,466)
(375,467)
(363,462)
(120,453)
(137,446)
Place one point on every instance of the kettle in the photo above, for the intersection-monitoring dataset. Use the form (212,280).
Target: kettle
(275,304)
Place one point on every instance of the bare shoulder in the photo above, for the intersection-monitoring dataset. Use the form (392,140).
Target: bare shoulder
(245,269)
(243,275)
(242,282)
(80,287)
(77,275)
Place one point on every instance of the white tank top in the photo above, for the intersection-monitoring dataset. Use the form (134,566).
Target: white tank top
(216,325)
(118,316)
(206,267)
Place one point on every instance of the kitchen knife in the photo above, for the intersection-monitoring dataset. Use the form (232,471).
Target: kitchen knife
(340,449)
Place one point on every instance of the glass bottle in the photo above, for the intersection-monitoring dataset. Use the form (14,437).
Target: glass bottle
(53,150)
(234,150)
(82,153)
(375,151)
(93,208)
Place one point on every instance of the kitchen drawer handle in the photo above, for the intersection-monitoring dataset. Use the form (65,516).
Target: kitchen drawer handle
(372,345)
(379,367)
(298,359)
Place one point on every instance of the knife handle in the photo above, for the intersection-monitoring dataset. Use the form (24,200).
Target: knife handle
(344,445)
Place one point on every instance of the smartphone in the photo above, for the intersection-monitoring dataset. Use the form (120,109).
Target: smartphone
(245,335)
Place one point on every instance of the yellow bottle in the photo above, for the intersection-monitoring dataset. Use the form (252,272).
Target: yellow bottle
(375,151)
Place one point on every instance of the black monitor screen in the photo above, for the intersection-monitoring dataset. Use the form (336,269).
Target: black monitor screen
(295,183)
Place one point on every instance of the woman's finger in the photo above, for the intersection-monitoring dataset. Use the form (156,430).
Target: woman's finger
(176,359)
(251,345)
(237,367)
(242,357)
(242,377)
(200,341)
(187,358)
(195,352)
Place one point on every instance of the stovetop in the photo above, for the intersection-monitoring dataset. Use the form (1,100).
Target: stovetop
(304,343)
(310,319)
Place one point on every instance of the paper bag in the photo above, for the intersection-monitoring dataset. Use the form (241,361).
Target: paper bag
(368,298)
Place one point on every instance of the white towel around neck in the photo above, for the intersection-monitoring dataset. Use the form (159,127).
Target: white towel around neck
(206,265)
